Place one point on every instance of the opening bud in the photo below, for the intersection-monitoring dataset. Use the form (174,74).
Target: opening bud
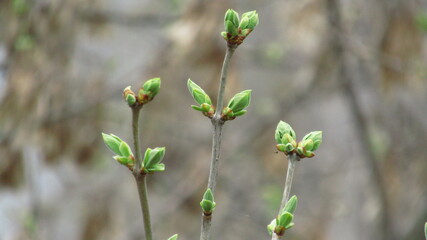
(149,90)
(152,159)
(129,96)
(282,129)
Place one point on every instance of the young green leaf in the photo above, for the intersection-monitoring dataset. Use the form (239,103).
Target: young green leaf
(240,101)
(197,93)
(153,157)
(112,142)
(291,205)
(125,149)
(232,16)
(285,219)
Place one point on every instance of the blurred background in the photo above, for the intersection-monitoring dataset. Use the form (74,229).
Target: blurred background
(354,69)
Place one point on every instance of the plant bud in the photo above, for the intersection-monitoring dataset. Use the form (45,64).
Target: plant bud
(282,129)
(149,90)
(240,101)
(253,20)
(208,203)
(271,227)
(316,138)
(112,142)
(244,23)
(291,205)
(125,149)
(232,16)
(283,222)
(129,96)
(197,93)
(127,161)
(230,28)
(152,159)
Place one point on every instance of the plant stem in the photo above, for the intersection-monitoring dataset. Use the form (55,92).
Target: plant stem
(217,124)
(140,178)
(293,158)
(141,182)
(137,147)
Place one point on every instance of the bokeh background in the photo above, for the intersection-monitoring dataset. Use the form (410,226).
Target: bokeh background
(355,69)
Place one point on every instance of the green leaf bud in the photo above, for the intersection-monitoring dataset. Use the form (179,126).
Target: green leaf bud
(125,149)
(289,148)
(307,144)
(291,205)
(129,96)
(205,107)
(149,90)
(130,99)
(253,21)
(230,28)
(197,93)
(153,157)
(122,160)
(112,142)
(281,147)
(174,237)
(160,167)
(271,227)
(240,101)
(231,16)
(285,219)
(316,137)
(224,35)
(240,113)
(282,129)
(249,14)
(197,108)
(208,203)
(244,23)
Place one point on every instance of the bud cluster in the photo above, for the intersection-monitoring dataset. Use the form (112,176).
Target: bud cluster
(145,94)
(237,30)
(208,203)
(286,141)
(152,158)
(284,220)
(236,106)
(121,148)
